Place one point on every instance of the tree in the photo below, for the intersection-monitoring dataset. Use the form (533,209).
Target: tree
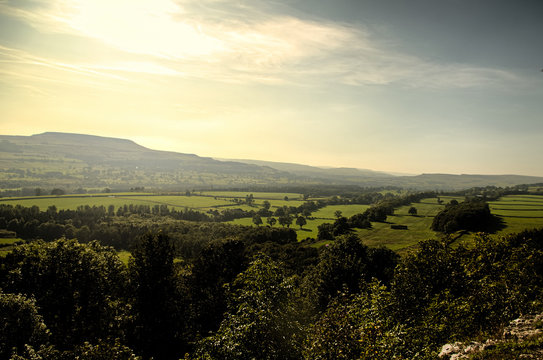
(342,267)
(78,287)
(470,215)
(356,327)
(301,221)
(156,299)
(257,220)
(337,214)
(218,263)
(20,324)
(359,221)
(412,211)
(262,320)
(249,200)
(58,192)
(271,221)
(341,226)
(281,211)
(285,220)
(325,231)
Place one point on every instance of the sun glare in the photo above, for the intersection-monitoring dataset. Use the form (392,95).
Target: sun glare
(142,27)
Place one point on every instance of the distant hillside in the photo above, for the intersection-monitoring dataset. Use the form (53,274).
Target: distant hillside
(60,159)
(463,181)
(126,154)
(346,174)
(73,161)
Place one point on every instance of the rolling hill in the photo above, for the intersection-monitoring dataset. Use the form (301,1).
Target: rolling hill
(74,161)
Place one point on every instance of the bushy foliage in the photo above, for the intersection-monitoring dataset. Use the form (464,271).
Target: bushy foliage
(261,320)
(471,215)
(346,265)
(357,327)
(156,300)
(75,287)
(20,324)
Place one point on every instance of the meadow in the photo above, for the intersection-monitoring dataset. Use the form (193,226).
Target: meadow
(203,202)
(517,212)
(7,244)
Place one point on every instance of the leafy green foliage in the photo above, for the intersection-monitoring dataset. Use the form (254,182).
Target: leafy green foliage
(75,287)
(156,299)
(471,215)
(20,324)
(218,264)
(357,328)
(345,266)
(261,321)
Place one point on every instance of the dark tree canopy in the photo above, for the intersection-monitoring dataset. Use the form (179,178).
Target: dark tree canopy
(470,215)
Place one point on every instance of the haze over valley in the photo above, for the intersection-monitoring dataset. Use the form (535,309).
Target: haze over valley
(76,161)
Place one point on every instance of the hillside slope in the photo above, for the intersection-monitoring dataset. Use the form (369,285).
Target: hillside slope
(85,161)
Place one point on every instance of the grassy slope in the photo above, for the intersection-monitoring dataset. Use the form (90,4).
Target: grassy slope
(519,212)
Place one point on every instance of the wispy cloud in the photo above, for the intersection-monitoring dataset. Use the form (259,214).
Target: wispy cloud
(210,39)
(16,56)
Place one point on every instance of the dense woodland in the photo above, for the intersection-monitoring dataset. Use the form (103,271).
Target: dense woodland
(207,290)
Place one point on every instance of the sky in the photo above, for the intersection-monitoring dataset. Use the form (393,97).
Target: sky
(420,86)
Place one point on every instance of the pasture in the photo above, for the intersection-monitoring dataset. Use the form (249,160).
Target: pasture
(257,195)
(204,202)
(324,215)
(346,210)
(518,212)
(7,244)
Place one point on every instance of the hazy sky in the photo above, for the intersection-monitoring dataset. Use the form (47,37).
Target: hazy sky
(408,86)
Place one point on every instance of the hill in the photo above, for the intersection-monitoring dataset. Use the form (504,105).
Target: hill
(313,172)
(60,159)
(74,161)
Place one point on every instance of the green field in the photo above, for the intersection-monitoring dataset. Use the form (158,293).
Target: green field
(309,230)
(7,244)
(256,195)
(519,212)
(324,215)
(216,200)
(346,210)
(380,234)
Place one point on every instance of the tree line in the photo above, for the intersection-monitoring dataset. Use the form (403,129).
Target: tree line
(240,299)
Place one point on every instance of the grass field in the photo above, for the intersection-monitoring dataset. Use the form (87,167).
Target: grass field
(519,212)
(380,234)
(309,230)
(7,244)
(346,210)
(219,200)
(324,215)
(256,195)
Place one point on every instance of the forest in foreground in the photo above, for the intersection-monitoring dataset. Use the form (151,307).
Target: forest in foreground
(275,300)
(209,290)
